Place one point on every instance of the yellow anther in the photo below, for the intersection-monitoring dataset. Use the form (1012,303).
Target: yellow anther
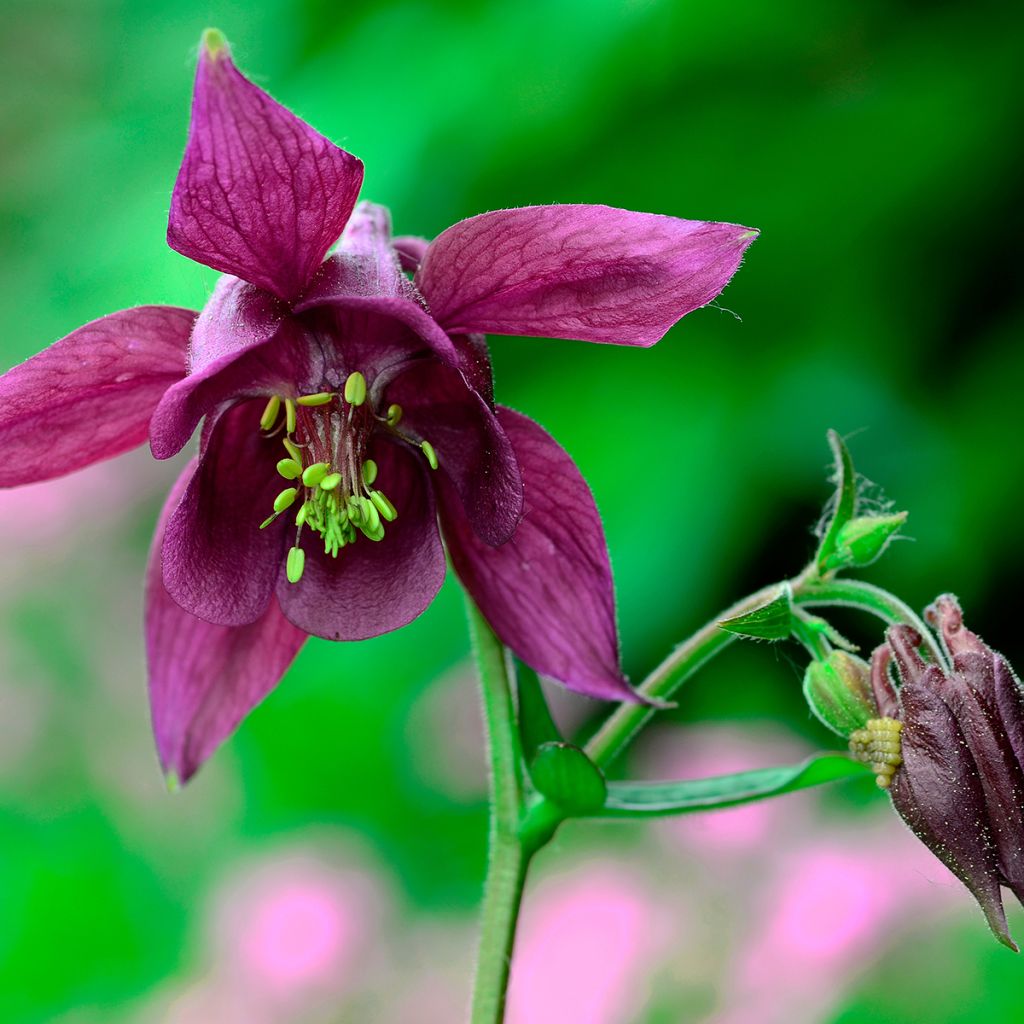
(312,475)
(384,507)
(369,472)
(289,469)
(300,516)
(289,415)
(285,499)
(320,398)
(428,450)
(293,450)
(269,417)
(330,481)
(394,415)
(295,564)
(355,388)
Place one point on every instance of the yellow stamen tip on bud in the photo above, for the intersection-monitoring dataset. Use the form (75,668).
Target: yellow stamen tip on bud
(289,469)
(355,388)
(295,564)
(369,472)
(428,450)
(269,417)
(285,499)
(289,416)
(320,398)
(330,482)
(394,415)
(878,745)
(312,475)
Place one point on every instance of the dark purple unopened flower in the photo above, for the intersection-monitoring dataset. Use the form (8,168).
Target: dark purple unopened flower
(958,761)
(347,408)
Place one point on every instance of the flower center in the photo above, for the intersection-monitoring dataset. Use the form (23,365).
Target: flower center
(325,437)
(878,745)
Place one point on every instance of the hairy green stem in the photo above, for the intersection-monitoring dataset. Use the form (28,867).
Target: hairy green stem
(510,843)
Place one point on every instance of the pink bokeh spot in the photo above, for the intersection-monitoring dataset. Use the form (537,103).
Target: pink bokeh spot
(293,926)
(830,905)
(297,935)
(584,947)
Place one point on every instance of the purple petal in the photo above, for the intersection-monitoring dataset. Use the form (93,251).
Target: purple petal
(373,587)
(938,793)
(90,395)
(218,564)
(590,272)
(204,679)
(881,683)
(547,592)
(237,317)
(260,194)
(410,249)
(472,448)
(283,364)
(361,298)
(475,363)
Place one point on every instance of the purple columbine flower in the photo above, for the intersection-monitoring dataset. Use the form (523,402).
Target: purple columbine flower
(952,743)
(347,407)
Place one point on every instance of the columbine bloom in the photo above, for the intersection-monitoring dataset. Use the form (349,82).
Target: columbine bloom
(347,406)
(957,763)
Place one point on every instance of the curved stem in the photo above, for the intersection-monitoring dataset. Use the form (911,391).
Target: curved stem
(627,719)
(508,856)
(869,598)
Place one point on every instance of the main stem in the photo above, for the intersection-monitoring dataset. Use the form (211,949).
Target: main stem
(508,856)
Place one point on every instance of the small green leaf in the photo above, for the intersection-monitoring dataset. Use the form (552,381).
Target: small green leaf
(565,775)
(654,799)
(536,726)
(771,621)
(845,499)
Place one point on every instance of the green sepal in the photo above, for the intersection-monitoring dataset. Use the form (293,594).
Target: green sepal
(772,620)
(845,501)
(862,541)
(658,799)
(536,726)
(566,776)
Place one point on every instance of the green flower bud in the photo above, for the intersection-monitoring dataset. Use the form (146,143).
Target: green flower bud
(839,693)
(564,774)
(862,540)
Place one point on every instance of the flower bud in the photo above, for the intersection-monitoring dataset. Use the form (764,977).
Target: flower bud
(861,541)
(564,774)
(838,691)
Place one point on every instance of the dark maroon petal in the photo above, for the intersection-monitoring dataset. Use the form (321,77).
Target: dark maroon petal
(471,445)
(373,587)
(590,272)
(218,563)
(905,642)
(971,695)
(285,364)
(548,592)
(204,679)
(237,317)
(90,395)
(881,684)
(939,794)
(410,249)
(260,194)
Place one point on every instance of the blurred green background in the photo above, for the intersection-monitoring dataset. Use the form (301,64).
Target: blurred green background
(877,147)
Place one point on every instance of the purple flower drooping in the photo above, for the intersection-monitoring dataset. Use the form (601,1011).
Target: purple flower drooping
(343,393)
(959,779)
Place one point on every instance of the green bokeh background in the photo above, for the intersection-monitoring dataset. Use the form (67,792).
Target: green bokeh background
(877,147)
